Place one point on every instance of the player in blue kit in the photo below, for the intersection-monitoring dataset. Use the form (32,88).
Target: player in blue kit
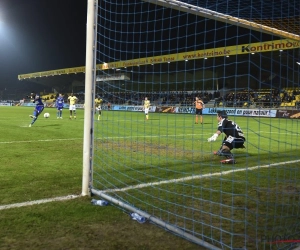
(59,106)
(39,107)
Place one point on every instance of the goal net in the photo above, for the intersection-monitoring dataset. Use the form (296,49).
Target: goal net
(238,57)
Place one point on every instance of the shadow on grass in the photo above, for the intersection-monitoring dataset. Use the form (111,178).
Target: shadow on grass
(48,125)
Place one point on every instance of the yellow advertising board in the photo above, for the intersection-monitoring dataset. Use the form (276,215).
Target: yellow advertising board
(260,47)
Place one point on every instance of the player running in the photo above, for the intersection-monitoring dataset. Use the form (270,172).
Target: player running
(234,137)
(39,107)
(59,106)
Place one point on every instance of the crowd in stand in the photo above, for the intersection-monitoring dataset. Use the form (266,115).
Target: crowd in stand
(267,98)
(244,98)
(264,98)
(185,98)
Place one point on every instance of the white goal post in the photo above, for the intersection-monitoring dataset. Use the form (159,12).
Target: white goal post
(90,80)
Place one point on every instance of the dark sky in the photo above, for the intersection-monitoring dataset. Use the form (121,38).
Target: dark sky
(40,35)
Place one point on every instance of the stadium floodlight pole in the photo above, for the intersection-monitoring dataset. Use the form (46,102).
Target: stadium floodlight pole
(90,80)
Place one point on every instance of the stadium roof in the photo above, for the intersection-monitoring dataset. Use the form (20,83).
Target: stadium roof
(220,10)
(277,50)
(57,80)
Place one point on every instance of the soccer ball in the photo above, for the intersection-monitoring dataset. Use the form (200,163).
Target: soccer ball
(46,115)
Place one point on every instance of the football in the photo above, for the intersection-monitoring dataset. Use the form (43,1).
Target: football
(46,115)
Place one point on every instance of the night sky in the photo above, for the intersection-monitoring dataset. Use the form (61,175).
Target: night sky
(40,35)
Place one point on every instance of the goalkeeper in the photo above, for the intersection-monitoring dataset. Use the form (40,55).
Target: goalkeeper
(39,107)
(234,137)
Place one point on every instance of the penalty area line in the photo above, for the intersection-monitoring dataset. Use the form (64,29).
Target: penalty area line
(45,140)
(30,203)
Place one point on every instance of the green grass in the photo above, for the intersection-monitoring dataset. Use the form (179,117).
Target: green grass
(45,161)
(237,209)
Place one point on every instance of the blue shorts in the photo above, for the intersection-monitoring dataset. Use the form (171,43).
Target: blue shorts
(39,109)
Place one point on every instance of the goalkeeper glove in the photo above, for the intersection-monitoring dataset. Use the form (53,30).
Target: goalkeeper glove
(213,138)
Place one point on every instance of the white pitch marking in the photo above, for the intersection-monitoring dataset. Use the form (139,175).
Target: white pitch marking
(30,203)
(69,197)
(46,140)
(109,137)
(124,137)
(197,177)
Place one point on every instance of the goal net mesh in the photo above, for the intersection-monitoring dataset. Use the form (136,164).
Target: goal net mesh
(238,56)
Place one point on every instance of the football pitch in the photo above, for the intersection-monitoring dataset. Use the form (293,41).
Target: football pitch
(45,162)
(165,165)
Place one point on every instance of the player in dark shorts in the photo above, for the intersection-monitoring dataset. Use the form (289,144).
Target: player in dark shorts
(234,137)
(199,105)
